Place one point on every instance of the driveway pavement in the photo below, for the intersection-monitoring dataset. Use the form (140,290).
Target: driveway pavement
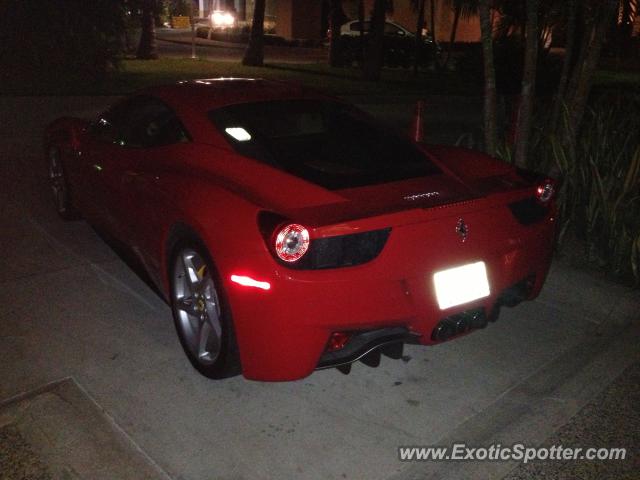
(72,309)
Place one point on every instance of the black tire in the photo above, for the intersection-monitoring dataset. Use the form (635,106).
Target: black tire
(56,174)
(226,361)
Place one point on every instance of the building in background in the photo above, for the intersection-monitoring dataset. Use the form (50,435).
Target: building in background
(306,19)
(404,14)
(288,18)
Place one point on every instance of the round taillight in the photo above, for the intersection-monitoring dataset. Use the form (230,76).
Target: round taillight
(292,242)
(545,191)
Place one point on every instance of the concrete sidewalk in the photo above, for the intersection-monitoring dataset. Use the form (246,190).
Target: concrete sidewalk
(611,419)
(59,432)
(71,308)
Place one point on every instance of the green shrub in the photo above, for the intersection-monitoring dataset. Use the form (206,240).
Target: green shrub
(509,62)
(600,197)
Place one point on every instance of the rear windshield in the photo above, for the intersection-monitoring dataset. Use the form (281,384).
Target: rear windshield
(327,143)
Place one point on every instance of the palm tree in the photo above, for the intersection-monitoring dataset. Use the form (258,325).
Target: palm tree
(523,128)
(361,17)
(335,20)
(627,13)
(461,9)
(572,13)
(374,57)
(147,49)
(242,10)
(254,55)
(418,5)
(489,114)
(432,19)
(603,13)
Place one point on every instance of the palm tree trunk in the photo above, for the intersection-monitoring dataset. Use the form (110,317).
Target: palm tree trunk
(486,30)
(432,19)
(419,25)
(242,10)
(335,15)
(454,30)
(582,76)
(254,55)
(625,29)
(147,49)
(569,49)
(523,129)
(583,50)
(374,58)
(361,16)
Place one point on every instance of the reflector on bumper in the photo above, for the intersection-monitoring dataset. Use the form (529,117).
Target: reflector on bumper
(459,285)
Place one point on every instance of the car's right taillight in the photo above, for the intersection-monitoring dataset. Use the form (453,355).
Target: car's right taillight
(291,242)
(545,191)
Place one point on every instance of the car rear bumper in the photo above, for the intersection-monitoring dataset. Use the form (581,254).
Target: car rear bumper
(283,332)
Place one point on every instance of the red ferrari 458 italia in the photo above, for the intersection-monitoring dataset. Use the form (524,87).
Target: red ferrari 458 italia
(290,232)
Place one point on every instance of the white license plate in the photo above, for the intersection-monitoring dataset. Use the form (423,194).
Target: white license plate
(459,285)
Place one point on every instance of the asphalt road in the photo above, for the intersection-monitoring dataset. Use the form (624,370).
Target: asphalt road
(70,307)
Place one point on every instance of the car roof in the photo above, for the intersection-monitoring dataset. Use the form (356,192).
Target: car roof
(204,95)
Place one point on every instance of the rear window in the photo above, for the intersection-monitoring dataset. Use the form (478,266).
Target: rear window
(327,143)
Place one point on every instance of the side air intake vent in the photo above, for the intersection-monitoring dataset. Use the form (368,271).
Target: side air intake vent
(528,211)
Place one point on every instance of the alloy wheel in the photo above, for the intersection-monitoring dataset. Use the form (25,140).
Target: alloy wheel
(57,181)
(197,307)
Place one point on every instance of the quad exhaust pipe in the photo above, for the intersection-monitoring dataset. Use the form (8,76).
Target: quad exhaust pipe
(458,324)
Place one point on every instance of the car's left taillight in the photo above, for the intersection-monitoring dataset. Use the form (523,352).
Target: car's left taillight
(291,242)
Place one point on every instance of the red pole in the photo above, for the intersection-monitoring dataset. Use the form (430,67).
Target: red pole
(417,128)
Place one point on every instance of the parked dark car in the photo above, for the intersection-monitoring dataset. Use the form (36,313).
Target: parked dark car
(399,45)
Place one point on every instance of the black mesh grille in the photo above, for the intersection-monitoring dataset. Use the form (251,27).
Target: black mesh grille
(528,211)
(344,250)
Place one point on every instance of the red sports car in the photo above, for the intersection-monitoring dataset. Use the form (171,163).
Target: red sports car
(289,232)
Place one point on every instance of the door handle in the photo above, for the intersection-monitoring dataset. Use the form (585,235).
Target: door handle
(131,175)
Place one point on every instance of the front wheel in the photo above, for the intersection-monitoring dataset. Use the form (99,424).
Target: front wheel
(59,185)
(202,319)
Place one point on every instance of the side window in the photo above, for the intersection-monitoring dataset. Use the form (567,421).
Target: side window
(390,29)
(140,122)
(150,123)
(103,130)
(108,124)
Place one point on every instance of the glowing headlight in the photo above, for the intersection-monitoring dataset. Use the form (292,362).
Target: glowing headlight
(221,18)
